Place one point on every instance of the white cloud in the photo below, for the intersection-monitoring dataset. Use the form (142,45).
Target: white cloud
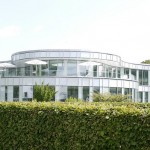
(38,28)
(10,31)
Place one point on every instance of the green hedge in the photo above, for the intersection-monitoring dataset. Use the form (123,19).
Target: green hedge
(74,126)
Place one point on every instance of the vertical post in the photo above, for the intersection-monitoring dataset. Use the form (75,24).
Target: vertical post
(36,70)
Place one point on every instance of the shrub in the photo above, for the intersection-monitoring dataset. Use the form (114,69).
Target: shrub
(72,99)
(68,126)
(107,97)
(43,92)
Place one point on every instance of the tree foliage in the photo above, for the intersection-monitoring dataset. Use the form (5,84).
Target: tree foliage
(43,92)
(146,61)
(73,99)
(107,97)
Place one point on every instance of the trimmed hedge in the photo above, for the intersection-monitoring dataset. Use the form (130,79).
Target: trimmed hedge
(74,126)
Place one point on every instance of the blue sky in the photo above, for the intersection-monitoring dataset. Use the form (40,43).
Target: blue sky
(119,27)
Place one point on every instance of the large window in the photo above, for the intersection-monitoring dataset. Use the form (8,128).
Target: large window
(128,91)
(27,93)
(126,73)
(63,93)
(113,72)
(44,70)
(108,71)
(60,68)
(118,72)
(84,69)
(101,71)
(96,89)
(34,70)
(146,96)
(11,72)
(72,68)
(73,91)
(119,90)
(56,68)
(133,74)
(140,96)
(94,71)
(19,73)
(27,71)
(140,77)
(143,77)
(6,93)
(52,67)
(114,90)
(85,92)
(16,93)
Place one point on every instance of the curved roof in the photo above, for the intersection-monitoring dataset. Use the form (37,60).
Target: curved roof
(95,55)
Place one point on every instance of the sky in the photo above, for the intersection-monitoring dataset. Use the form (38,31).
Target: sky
(120,27)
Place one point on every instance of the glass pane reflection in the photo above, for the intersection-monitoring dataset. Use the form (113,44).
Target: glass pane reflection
(72,68)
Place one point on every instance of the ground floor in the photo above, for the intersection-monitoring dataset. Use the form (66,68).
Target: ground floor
(22,89)
(25,93)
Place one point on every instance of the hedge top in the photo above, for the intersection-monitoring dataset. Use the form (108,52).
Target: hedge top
(116,108)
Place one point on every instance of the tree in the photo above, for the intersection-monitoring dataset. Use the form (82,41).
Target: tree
(146,61)
(43,92)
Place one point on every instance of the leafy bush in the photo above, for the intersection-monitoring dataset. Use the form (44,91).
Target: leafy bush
(43,92)
(146,61)
(78,126)
(72,99)
(107,97)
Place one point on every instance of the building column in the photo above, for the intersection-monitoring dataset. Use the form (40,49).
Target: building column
(130,74)
(57,93)
(2,93)
(149,77)
(121,73)
(143,98)
(78,68)
(80,92)
(148,97)
(133,96)
(21,93)
(137,75)
(122,91)
(65,68)
(91,94)
(10,93)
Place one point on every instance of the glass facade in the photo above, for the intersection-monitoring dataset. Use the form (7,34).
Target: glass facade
(143,77)
(133,74)
(71,68)
(146,97)
(77,68)
(115,90)
(6,93)
(126,73)
(85,93)
(79,72)
(140,96)
(73,91)
(96,89)
(15,93)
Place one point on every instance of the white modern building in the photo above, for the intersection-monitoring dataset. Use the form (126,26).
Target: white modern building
(73,73)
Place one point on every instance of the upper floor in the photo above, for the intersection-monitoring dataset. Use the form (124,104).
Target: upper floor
(75,63)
